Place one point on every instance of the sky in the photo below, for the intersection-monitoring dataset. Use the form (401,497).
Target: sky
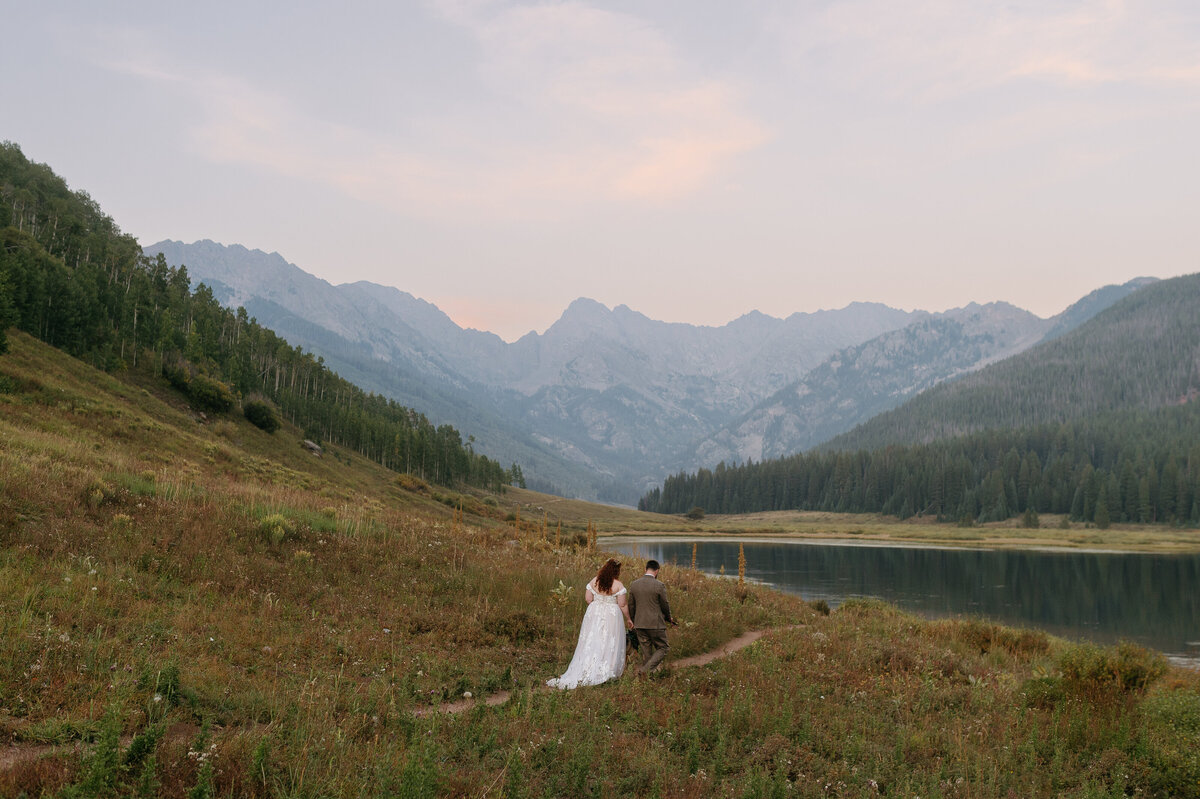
(693,160)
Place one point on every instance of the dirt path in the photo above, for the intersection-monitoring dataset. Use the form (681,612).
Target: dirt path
(704,658)
(12,756)
(20,754)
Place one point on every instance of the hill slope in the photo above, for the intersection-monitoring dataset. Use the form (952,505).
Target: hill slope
(71,278)
(1140,354)
(163,574)
(208,610)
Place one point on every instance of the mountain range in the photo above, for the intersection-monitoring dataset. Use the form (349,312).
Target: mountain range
(1098,424)
(606,402)
(861,381)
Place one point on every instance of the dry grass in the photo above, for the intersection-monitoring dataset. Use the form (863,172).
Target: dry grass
(206,610)
(612,520)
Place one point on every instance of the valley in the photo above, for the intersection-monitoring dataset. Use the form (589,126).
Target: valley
(230,571)
(606,402)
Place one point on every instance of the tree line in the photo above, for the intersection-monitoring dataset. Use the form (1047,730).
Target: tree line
(1131,466)
(69,277)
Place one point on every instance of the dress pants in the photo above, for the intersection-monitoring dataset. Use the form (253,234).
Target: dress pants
(653,645)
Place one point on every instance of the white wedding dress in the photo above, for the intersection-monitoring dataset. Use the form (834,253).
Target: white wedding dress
(600,653)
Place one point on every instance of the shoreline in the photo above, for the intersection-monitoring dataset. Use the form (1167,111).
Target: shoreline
(997,543)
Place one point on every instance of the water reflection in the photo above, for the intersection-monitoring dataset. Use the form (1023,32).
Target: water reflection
(1103,597)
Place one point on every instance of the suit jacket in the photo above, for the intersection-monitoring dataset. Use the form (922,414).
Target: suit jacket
(648,603)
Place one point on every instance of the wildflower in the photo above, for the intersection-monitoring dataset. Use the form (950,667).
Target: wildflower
(561,595)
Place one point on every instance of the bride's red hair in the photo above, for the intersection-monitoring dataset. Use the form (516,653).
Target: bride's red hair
(608,572)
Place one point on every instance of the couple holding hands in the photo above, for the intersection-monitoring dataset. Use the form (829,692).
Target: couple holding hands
(600,652)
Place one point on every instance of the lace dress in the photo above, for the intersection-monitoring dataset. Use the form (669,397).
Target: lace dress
(600,653)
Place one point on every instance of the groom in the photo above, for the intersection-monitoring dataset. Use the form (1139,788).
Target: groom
(651,615)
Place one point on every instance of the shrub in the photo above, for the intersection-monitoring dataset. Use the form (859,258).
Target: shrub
(210,394)
(178,375)
(410,482)
(985,636)
(99,493)
(276,528)
(1136,668)
(1129,667)
(695,514)
(261,413)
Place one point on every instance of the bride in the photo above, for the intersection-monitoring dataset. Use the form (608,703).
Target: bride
(600,653)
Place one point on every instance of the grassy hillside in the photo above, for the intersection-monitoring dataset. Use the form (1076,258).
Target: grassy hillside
(1141,354)
(197,608)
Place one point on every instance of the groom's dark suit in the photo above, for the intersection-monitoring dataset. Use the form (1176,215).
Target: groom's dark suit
(651,613)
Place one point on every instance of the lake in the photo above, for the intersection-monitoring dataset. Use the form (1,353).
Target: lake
(1153,600)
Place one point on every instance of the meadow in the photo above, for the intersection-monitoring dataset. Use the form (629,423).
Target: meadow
(194,607)
(1053,530)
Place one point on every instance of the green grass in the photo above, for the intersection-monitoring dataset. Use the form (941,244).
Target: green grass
(610,520)
(158,637)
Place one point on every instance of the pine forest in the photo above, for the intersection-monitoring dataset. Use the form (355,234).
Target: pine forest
(69,277)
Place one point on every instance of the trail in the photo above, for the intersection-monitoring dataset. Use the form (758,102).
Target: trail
(704,658)
(18,754)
